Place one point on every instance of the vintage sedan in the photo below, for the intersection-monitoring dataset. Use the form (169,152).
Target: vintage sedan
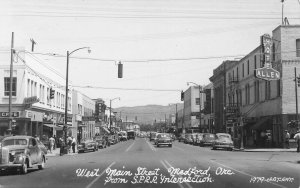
(199,137)
(164,139)
(21,153)
(188,138)
(208,139)
(88,145)
(181,138)
(101,142)
(224,141)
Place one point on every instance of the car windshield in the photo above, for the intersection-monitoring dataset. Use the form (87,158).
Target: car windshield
(210,136)
(12,142)
(224,136)
(163,136)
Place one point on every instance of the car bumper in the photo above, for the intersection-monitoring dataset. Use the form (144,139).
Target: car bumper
(222,146)
(206,143)
(9,166)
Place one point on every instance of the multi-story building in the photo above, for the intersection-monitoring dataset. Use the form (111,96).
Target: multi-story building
(34,111)
(208,109)
(266,107)
(83,116)
(192,106)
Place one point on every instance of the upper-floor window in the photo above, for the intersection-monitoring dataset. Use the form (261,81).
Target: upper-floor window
(267,90)
(256,91)
(247,94)
(197,101)
(248,67)
(243,71)
(298,47)
(7,86)
(273,52)
(255,66)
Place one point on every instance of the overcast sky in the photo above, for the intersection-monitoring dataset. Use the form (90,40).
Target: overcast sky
(147,36)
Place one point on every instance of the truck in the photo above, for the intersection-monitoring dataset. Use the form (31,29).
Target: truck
(131,134)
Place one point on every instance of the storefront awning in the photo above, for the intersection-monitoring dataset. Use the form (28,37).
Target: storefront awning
(106,130)
(260,124)
(50,125)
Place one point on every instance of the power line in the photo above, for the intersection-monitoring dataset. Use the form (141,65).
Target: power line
(133,89)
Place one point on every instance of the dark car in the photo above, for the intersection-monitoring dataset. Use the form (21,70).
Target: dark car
(164,139)
(101,142)
(21,153)
(208,139)
(224,141)
(181,138)
(152,136)
(188,138)
(88,145)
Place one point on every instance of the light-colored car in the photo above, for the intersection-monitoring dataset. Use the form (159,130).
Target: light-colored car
(164,139)
(21,153)
(188,138)
(199,137)
(88,145)
(224,141)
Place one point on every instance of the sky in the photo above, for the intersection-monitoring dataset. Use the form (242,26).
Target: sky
(162,44)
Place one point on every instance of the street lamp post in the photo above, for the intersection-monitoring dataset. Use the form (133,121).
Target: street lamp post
(67,88)
(110,122)
(199,102)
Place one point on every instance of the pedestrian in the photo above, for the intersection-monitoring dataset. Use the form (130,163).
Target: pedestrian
(69,141)
(73,144)
(55,142)
(287,139)
(51,143)
(297,138)
(62,146)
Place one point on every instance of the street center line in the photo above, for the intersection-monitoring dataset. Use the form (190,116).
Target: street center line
(179,184)
(96,179)
(129,147)
(189,185)
(282,186)
(151,147)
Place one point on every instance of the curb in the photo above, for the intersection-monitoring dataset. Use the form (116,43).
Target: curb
(262,150)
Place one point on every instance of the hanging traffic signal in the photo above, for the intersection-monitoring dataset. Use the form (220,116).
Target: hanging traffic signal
(120,70)
(52,93)
(182,96)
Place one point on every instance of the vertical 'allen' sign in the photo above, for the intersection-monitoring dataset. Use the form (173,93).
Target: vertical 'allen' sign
(267,72)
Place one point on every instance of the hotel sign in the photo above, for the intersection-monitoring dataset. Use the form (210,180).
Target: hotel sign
(267,72)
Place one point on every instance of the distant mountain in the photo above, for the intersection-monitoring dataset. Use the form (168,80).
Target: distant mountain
(147,114)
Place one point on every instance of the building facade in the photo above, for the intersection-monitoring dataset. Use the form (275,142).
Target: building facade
(34,111)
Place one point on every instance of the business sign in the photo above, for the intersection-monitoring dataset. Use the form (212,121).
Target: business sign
(34,116)
(267,72)
(6,114)
(31,100)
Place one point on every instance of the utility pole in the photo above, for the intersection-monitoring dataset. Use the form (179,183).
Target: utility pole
(10,84)
(296,95)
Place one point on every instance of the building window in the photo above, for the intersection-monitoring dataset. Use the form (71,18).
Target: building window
(247,94)
(243,71)
(268,90)
(48,96)
(273,52)
(237,73)
(298,47)
(256,91)
(248,67)
(197,101)
(255,66)
(28,88)
(7,86)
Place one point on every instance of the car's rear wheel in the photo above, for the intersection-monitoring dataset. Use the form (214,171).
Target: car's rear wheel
(42,165)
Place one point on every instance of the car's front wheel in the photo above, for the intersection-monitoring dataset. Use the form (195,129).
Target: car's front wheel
(24,168)
(42,165)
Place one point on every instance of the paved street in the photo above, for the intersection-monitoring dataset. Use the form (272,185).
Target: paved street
(211,168)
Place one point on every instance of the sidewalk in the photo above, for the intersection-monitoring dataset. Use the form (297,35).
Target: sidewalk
(266,150)
(56,152)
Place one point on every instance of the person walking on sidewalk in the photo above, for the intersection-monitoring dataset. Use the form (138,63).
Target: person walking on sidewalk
(51,142)
(297,138)
(62,146)
(73,144)
(287,139)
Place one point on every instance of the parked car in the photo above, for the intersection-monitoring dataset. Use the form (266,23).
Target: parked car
(123,135)
(42,147)
(156,138)
(199,137)
(224,141)
(87,145)
(164,139)
(208,139)
(181,138)
(188,138)
(21,153)
(101,142)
